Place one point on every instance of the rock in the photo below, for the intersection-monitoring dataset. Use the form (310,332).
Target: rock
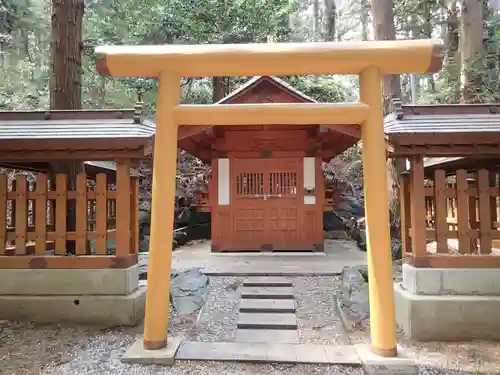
(181,237)
(350,207)
(361,239)
(354,295)
(332,222)
(396,248)
(144,244)
(188,291)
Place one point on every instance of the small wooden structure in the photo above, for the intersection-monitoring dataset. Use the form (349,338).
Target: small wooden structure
(267,191)
(33,225)
(449,196)
(368,59)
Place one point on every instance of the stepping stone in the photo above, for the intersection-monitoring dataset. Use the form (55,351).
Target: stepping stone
(267,281)
(267,305)
(267,321)
(268,353)
(271,336)
(267,292)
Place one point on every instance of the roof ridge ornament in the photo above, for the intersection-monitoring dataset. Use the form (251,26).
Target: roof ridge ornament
(398,107)
(393,104)
(138,106)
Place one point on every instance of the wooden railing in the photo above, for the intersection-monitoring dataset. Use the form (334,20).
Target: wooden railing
(34,228)
(202,200)
(458,217)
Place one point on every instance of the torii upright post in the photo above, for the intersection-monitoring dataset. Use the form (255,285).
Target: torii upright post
(368,59)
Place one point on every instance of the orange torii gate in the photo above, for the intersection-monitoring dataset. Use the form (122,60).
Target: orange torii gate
(368,59)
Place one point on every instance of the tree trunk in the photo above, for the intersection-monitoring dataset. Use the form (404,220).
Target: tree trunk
(315,20)
(384,29)
(65,84)
(428,35)
(330,20)
(452,63)
(472,50)
(365,10)
(220,88)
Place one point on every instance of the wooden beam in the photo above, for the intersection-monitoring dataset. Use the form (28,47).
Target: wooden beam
(454,261)
(67,262)
(392,57)
(46,155)
(448,138)
(350,130)
(446,150)
(189,131)
(272,114)
(67,114)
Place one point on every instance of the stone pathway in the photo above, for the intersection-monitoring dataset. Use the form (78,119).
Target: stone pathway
(267,311)
(267,331)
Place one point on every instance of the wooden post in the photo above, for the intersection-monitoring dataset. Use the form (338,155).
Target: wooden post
(485,227)
(81,214)
(404,201)
(41,214)
(162,214)
(441,211)
(473,213)
(418,234)
(3,212)
(61,213)
(134,216)
(21,213)
(123,208)
(381,289)
(464,245)
(101,214)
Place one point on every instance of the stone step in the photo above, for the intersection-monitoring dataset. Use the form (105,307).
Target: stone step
(267,305)
(267,321)
(272,336)
(267,292)
(268,353)
(267,281)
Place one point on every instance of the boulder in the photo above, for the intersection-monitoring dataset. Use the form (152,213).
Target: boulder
(188,291)
(353,295)
(332,222)
(350,207)
(144,244)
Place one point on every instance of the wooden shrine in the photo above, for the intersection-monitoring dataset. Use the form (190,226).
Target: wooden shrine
(34,231)
(449,195)
(267,191)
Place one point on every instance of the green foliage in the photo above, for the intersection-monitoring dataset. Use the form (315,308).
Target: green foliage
(320,88)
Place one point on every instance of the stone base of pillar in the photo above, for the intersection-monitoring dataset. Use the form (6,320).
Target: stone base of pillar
(105,297)
(448,304)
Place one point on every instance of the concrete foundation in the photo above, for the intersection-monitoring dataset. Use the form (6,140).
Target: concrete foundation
(136,354)
(449,304)
(42,282)
(374,364)
(104,297)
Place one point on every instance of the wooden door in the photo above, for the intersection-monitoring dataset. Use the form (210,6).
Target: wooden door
(266,204)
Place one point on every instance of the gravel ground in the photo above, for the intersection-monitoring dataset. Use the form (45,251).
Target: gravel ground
(77,350)
(317,316)
(219,316)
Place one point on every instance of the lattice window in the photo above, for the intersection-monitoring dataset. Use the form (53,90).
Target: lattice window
(250,183)
(283,183)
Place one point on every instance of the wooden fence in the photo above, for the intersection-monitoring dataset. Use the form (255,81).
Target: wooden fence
(450,220)
(35,232)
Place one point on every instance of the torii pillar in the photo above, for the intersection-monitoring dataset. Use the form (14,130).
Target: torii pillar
(370,60)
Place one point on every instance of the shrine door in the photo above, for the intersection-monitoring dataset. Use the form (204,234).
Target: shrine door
(266,203)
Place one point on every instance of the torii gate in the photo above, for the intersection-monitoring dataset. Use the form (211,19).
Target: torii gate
(368,59)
